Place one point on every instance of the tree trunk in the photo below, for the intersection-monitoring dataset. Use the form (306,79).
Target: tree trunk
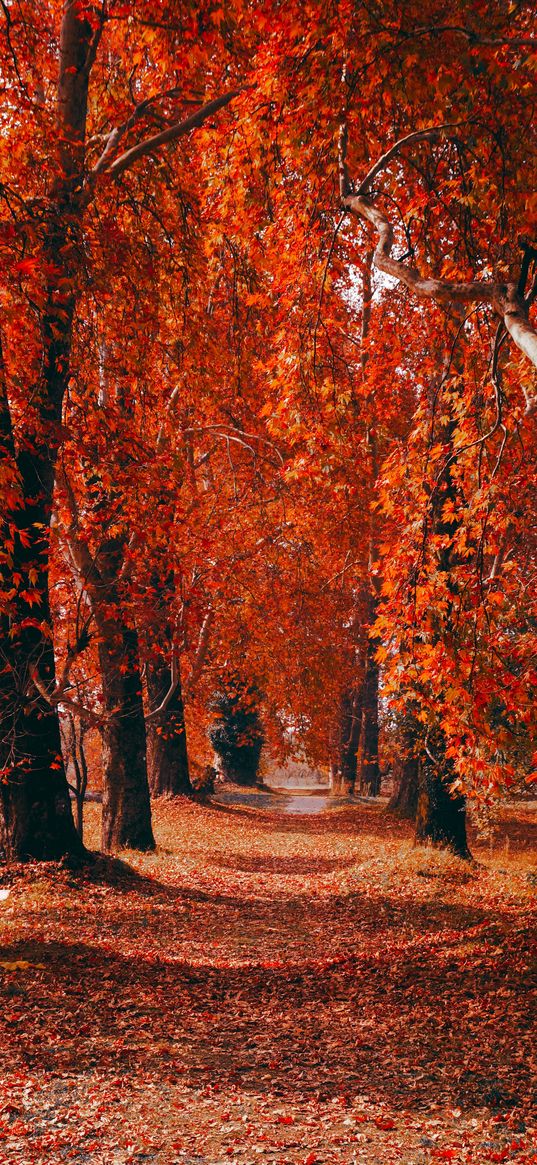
(369,770)
(73,734)
(441,817)
(351,718)
(126,807)
(36,809)
(37,821)
(369,753)
(126,820)
(167,754)
(335,780)
(405,799)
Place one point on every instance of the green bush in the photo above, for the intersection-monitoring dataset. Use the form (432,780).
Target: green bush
(237,734)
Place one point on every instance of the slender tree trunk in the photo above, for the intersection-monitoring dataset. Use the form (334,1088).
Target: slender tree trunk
(351,717)
(73,733)
(335,780)
(167,754)
(441,817)
(126,817)
(369,760)
(126,807)
(369,751)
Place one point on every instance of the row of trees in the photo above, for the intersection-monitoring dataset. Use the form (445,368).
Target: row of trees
(266,395)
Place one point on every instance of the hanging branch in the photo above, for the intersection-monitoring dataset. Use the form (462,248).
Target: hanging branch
(505,298)
(106,164)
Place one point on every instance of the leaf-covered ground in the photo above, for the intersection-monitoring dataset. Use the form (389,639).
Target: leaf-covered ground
(273,989)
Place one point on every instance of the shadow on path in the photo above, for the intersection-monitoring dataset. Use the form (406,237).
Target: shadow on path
(398,1021)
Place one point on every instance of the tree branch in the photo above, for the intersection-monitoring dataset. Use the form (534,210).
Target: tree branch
(166,700)
(201,652)
(505,299)
(171,134)
(418,135)
(474,38)
(58,699)
(115,136)
(81,556)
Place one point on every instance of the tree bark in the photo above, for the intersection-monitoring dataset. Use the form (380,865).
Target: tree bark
(167,753)
(351,719)
(37,821)
(441,816)
(369,752)
(405,799)
(335,780)
(369,769)
(126,820)
(73,734)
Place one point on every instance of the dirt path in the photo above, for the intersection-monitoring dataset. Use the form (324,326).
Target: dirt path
(275,989)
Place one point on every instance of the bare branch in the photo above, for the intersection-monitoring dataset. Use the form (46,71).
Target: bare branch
(178,130)
(505,299)
(166,700)
(474,38)
(58,699)
(117,134)
(201,652)
(442,290)
(222,431)
(419,135)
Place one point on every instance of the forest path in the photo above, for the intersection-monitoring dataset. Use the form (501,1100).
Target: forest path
(272,988)
(279,800)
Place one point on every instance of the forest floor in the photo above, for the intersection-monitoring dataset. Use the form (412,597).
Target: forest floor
(275,989)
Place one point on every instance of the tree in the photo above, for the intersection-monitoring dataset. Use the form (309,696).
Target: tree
(36,810)
(465,84)
(48,236)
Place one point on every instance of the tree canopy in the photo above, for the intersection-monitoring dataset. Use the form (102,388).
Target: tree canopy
(268,385)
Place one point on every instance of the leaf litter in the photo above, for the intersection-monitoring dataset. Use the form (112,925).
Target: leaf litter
(294,992)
